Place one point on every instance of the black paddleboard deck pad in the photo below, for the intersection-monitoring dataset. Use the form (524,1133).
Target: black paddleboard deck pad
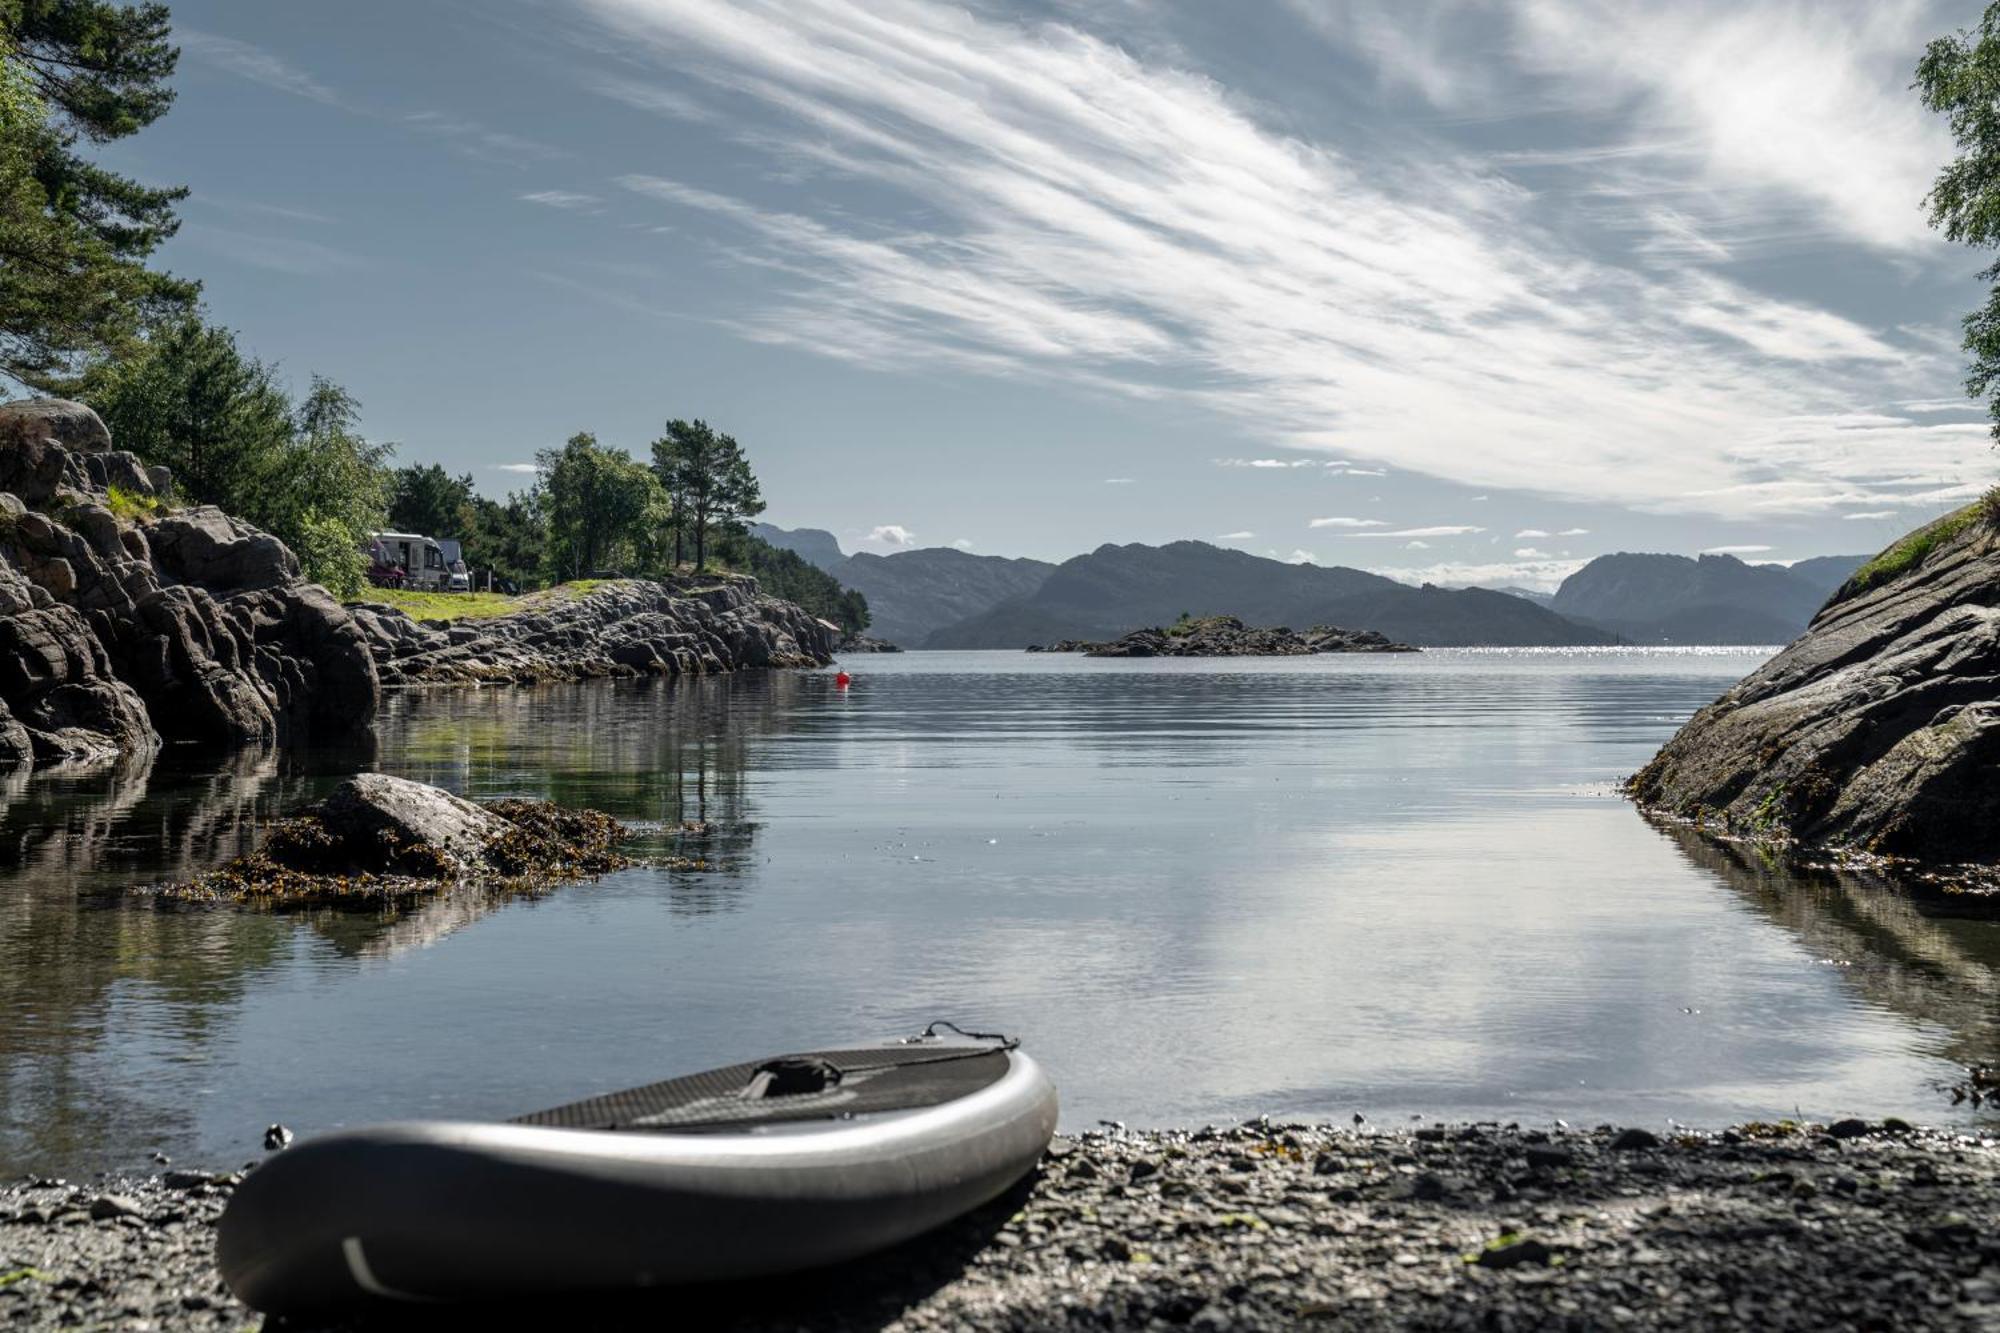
(766,1167)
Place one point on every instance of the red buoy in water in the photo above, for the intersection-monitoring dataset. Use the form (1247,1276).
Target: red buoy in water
(843,680)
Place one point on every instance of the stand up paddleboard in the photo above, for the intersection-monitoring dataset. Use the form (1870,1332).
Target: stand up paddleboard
(759,1168)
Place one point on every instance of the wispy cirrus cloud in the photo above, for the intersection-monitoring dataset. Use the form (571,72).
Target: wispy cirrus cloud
(254,63)
(1045,203)
(569,200)
(1341,521)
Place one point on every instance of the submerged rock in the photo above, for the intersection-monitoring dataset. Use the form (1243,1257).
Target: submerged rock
(116,631)
(1878,730)
(1226,636)
(865,643)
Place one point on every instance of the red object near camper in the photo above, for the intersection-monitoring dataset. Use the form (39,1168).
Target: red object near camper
(843,680)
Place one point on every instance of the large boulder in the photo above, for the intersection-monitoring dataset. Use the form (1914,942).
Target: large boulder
(1878,730)
(206,546)
(382,822)
(55,421)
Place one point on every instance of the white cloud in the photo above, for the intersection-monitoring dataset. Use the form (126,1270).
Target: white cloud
(1270,463)
(568,199)
(1118,481)
(253,63)
(1871,513)
(1810,102)
(1338,522)
(1574,532)
(1531,532)
(1236,536)
(1416,546)
(515,467)
(1301,557)
(464,135)
(1541,575)
(1736,550)
(1448,530)
(1530,553)
(962,543)
(1063,209)
(891,534)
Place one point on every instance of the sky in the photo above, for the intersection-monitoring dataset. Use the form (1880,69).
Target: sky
(1455,290)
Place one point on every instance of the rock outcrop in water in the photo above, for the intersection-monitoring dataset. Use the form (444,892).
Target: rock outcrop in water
(123,621)
(378,838)
(693,625)
(1226,636)
(1878,731)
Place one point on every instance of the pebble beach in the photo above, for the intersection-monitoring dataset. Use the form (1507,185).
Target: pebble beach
(1857,1225)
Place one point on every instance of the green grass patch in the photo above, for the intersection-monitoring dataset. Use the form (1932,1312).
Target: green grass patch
(132,507)
(1911,551)
(478,605)
(22,1275)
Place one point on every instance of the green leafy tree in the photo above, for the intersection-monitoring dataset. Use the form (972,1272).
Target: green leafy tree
(508,537)
(1959,77)
(74,236)
(711,485)
(602,507)
(430,501)
(187,397)
(327,490)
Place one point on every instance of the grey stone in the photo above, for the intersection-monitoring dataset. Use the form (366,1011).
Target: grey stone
(375,816)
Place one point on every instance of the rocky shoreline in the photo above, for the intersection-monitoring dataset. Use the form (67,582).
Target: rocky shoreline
(692,625)
(1261,1226)
(1226,636)
(124,621)
(1873,736)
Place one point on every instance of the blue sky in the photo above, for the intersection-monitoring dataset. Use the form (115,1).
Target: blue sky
(1449,289)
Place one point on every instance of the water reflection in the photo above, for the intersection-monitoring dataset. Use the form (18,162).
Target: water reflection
(1929,961)
(1309,886)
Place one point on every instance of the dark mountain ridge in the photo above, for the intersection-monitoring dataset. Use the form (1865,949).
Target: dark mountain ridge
(1115,588)
(1712,599)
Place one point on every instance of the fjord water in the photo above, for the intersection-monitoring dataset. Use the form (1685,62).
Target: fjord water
(1201,890)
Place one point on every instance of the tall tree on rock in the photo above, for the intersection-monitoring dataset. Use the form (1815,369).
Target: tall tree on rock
(709,479)
(74,236)
(601,506)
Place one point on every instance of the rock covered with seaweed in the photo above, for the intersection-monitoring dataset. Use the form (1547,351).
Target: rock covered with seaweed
(1878,731)
(378,838)
(124,620)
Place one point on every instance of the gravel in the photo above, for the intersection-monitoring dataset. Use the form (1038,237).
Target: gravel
(1263,1226)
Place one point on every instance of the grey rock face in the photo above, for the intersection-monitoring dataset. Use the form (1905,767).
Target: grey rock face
(376,811)
(630,627)
(195,627)
(1877,731)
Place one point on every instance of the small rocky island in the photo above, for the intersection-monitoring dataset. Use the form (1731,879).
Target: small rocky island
(1877,732)
(1226,636)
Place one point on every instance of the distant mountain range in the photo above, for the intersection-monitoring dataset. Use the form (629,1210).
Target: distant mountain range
(938,597)
(913,594)
(1713,599)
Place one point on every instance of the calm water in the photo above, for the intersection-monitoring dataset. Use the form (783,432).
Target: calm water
(1392,885)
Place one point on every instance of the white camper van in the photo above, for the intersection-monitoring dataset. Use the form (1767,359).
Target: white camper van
(421,559)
